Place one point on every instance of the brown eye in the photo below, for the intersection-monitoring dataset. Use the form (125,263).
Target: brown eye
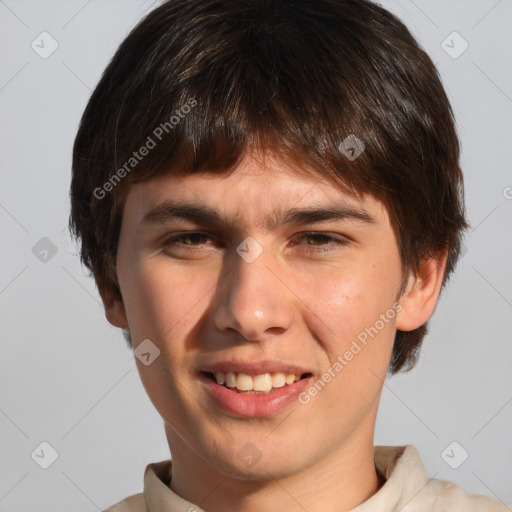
(315,242)
(192,239)
(318,239)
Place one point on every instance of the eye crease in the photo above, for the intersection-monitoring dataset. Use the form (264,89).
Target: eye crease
(323,241)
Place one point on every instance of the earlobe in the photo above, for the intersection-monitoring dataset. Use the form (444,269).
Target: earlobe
(114,306)
(420,297)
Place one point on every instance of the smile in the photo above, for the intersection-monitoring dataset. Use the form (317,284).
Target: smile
(253,396)
(254,384)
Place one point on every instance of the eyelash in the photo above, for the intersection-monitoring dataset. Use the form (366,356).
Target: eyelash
(333,242)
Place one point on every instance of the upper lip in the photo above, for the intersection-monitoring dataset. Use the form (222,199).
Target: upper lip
(254,367)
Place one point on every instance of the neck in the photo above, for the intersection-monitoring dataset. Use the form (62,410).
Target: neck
(336,483)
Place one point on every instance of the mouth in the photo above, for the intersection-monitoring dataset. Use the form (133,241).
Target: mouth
(260,384)
(254,395)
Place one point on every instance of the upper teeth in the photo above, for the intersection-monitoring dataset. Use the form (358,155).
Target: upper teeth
(262,382)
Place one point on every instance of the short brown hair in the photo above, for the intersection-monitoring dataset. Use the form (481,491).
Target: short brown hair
(215,78)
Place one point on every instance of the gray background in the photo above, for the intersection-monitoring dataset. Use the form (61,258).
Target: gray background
(66,376)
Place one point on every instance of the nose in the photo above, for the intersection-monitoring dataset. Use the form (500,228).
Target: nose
(253,299)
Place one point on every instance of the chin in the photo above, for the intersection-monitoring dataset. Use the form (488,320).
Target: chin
(251,463)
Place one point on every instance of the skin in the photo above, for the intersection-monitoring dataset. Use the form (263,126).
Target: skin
(200,302)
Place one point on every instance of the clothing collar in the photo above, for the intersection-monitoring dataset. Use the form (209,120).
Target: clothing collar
(400,466)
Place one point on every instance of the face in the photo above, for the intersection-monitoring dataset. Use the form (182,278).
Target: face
(262,278)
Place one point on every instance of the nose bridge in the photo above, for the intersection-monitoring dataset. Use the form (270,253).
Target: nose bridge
(251,299)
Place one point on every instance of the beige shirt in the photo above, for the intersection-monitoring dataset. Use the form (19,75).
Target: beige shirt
(407,489)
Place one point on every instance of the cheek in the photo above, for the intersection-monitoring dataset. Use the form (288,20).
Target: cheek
(348,302)
(352,315)
(163,304)
(161,301)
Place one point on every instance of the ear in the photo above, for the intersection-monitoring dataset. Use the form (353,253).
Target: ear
(114,306)
(420,297)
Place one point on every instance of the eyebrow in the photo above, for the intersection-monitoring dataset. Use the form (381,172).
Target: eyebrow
(206,216)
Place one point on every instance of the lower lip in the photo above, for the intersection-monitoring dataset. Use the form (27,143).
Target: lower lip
(254,406)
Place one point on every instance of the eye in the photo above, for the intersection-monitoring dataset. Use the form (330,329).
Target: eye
(192,239)
(189,244)
(323,241)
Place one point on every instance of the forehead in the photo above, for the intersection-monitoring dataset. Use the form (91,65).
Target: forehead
(259,186)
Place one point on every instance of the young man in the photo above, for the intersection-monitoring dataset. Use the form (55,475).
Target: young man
(269,197)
